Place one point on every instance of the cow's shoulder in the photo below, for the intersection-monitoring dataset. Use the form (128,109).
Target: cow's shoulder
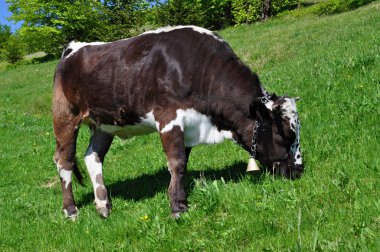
(75,46)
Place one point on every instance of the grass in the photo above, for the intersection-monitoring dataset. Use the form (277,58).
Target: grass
(332,62)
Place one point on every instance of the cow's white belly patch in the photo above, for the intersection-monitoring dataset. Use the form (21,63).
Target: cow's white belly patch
(146,126)
(197,128)
(128,131)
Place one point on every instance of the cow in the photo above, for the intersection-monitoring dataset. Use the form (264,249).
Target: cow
(185,83)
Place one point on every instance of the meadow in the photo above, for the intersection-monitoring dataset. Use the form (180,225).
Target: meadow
(331,62)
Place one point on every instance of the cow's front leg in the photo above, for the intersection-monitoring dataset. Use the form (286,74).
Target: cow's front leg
(174,147)
(99,145)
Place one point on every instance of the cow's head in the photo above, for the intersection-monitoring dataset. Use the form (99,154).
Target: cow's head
(278,137)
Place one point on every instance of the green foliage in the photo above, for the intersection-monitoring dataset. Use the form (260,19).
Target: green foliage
(249,11)
(14,49)
(213,14)
(327,7)
(82,20)
(124,18)
(43,38)
(5,33)
(279,6)
(50,25)
(246,11)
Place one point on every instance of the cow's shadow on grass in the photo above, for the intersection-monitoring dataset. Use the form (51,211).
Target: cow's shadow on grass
(148,185)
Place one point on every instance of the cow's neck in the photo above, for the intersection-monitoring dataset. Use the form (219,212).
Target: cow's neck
(233,114)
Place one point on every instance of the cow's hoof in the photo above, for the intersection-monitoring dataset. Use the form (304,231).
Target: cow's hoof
(176,215)
(104,212)
(71,213)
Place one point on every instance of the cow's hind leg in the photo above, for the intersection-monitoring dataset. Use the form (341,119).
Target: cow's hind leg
(99,144)
(66,125)
(177,155)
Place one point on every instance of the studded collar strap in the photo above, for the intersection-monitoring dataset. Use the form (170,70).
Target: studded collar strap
(254,139)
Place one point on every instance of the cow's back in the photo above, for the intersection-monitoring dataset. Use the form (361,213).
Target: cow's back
(123,80)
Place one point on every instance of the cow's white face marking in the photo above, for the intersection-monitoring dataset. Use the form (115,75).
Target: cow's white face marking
(289,110)
(195,28)
(75,46)
(197,128)
(269,105)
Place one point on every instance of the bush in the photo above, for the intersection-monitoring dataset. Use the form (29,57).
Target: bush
(43,39)
(284,5)
(249,11)
(14,50)
(5,33)
(246,11)
(337,6)
(2,54)
(210,14)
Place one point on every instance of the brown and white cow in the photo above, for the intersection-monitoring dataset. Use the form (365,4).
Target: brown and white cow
(183,82)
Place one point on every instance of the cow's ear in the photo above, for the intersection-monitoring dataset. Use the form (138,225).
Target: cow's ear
(274,97)
(259,111)
(276,106)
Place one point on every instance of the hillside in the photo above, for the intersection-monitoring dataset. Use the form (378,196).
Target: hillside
(331,62)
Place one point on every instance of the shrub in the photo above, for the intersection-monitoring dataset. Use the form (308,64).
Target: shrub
(337,6)
(14,50)
(249,11)
(43,39)
(2,54)
(211,14)
(246,11)
(284,5)
(5,33)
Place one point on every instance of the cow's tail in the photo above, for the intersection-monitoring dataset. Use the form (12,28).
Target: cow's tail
(66,122)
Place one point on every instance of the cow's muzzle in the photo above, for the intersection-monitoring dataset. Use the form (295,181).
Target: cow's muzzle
(287,169)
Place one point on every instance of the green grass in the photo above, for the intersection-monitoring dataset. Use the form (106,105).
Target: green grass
(332,63)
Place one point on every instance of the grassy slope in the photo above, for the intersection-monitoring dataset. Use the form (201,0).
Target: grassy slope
(332,62)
